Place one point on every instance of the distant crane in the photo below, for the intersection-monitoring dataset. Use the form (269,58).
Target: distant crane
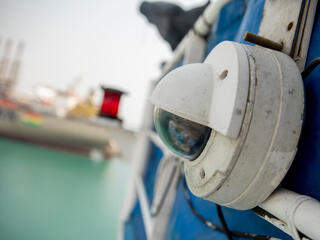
(14,70)
(9,73)
(4,62)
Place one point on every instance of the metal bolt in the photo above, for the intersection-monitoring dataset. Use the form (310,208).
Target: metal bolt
(262,41)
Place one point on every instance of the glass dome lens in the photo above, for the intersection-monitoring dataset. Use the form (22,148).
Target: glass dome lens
(183,137)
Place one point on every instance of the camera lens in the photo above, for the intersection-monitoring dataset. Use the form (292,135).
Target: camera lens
(183,137)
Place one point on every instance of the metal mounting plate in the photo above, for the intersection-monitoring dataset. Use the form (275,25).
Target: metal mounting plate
(289,22)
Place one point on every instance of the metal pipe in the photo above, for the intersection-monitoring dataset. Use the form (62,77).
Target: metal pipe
(145,208)
(201,27)
(300,212)
(210,14)
(137,166)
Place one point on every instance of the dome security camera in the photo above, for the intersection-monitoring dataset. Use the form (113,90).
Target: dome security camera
(235,119)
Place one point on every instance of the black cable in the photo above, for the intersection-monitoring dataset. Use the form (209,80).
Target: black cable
(223,222)
(215,227)
(313,64)
(194,211)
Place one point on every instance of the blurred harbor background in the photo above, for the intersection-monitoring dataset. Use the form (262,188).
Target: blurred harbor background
(74,81)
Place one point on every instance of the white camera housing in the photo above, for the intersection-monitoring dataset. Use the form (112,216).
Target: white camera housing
(200,93)
(252,98)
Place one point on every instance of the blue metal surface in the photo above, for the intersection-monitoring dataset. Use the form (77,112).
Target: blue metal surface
(227,25)
(134,228)
(184,225)
(155,156)
(236,18)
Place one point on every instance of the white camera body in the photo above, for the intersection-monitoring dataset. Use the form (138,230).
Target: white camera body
(252,99)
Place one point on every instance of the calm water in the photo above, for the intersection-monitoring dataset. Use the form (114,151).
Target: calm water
(51,195)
